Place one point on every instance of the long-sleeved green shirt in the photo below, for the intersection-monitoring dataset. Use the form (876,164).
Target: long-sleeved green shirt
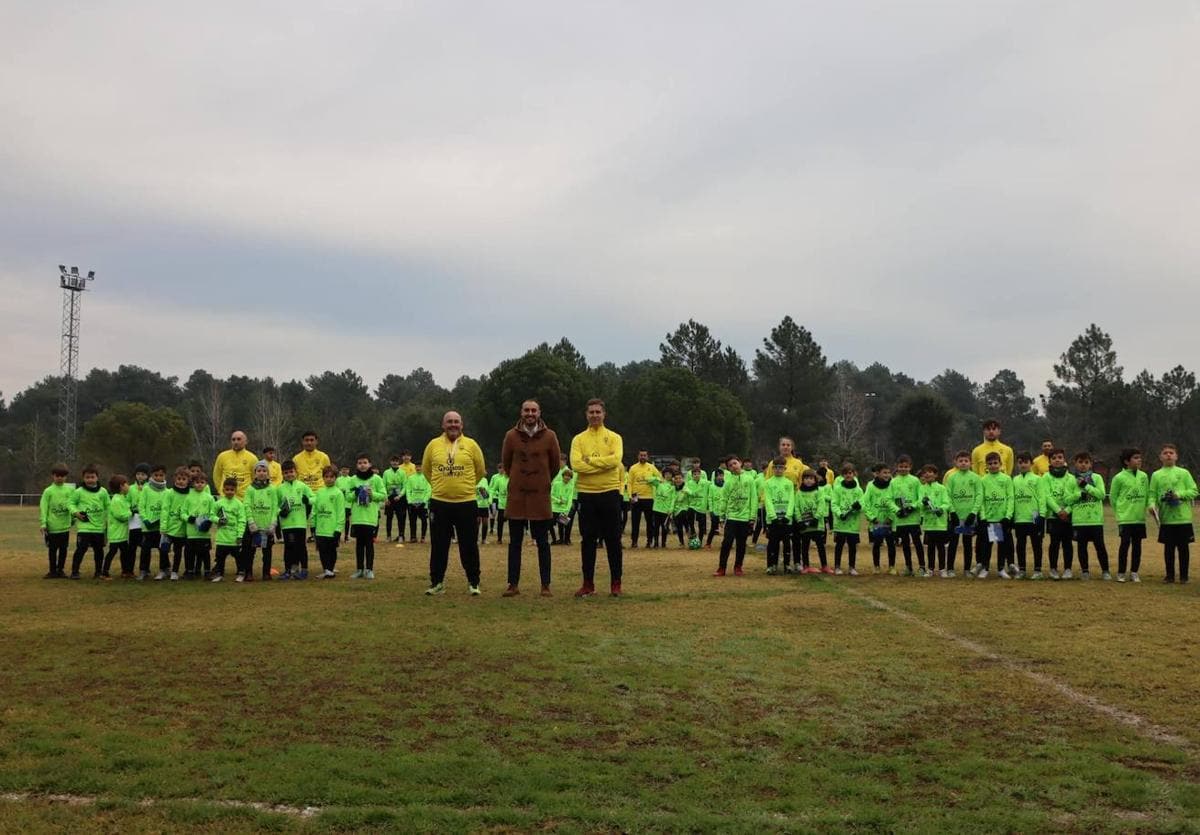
(846,517)
(195,504)
(498,487)
(54,509)
(998,499)
(292,495)
(1060,492)
(906,491)
(94,503)
(1029,498)
(809,509)
(1180,481)
(367,514)
(1088,509)
(779,496)
(262,505)
(151,499)
(418,488)
(740,494)
(562,495)
(1129,495)
(329,511)
(878,505)
(171,523)
(233,512)
(966,497)
(935,506)
(394,479)
(119,514)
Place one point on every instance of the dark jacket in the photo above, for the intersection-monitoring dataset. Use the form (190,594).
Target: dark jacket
(531,462)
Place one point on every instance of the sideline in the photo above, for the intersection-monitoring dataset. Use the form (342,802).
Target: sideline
(302,812)
(1134,721)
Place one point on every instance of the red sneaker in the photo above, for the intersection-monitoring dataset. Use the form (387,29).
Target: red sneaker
(720,572)
(586,590)
(737,572)
(826,570)
(615,590)
(811,570)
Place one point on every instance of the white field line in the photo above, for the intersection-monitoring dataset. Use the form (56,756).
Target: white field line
(83,800)
(1138,723)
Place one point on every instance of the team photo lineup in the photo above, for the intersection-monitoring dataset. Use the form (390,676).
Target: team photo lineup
(170,522)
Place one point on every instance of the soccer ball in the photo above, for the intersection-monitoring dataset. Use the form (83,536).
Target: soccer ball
(694,543)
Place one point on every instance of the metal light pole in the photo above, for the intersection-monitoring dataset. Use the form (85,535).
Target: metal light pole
(72,284)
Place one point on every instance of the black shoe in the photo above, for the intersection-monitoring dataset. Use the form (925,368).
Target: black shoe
(74,575)
(50,575)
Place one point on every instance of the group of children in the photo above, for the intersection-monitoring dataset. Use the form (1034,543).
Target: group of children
(930,517)
(923,515)
(184,520)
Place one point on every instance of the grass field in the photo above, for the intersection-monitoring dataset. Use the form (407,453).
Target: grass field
(752,704)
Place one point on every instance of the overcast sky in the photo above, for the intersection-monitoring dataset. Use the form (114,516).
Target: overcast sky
(283,188)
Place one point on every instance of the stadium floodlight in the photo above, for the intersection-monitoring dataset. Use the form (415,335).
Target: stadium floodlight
(72,284)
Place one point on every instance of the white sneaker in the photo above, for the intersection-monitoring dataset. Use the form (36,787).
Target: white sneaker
(357,575)
(1134,578)
(838,572)
(950,574)
(1067,575)
(162,575)
(1054,575)
(241,578)
(1086,575)
(1037,575)
(1105,576)
(982,575)
(853,572)
(943,573)
(174,575)
(1004,575)
(328,574)
(218,578)
(1120,578)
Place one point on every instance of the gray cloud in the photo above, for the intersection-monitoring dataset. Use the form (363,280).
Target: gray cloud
(927,185)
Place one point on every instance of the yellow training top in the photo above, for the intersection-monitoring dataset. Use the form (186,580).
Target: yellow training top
(453,468)
(794,470)
(309,466)
(275,472)
(239,465)
(980,453)
(1040,465)
(639,480)
(602,471)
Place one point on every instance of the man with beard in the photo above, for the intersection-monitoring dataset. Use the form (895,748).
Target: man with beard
(530,456)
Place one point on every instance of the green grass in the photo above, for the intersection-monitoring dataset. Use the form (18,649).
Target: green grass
(756,704)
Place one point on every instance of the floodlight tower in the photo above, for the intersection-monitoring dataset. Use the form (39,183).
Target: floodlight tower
(72,284)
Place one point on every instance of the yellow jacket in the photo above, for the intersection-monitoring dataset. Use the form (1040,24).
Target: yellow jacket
(602,471)
(453,469)
(1040,465)
(275,472)
(980,453)
(794,470)
(309,466)
(239,465)
(639,480)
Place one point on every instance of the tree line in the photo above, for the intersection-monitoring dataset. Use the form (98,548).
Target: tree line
(698,397)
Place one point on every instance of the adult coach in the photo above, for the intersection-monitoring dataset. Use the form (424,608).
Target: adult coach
(530,456)
(596,459)
(642,477)
(793,467)
(1041,464)
(991,443)
(310,462)
(453,464)
(235,462)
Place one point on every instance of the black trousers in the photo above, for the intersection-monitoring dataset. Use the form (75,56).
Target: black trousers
(849,541)
(500,525)
(327,548)
(1060,539)
(640,508)
(735,536)
(84,542)
(909,537)
(122,550)
(458,517)
(199,555)
(56,547)
(1029,535)
(539,529)
(150,541)
(714,527)
(364,547)
(224,552)
(660,525)
(778,531)
(295,549)
(600,518)
(1093,534)
(268,543)
(415,513)
(178,546)
(1004,556)
(817,538)
(1129,553)
(394,509)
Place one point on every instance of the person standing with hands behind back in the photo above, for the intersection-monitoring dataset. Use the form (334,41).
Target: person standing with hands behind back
(596,454)
(453,463)
(530,456)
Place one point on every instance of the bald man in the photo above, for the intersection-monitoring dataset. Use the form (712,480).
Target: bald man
(235,462)
(453,464)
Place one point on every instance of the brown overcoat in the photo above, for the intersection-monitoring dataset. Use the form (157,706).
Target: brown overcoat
(531,461)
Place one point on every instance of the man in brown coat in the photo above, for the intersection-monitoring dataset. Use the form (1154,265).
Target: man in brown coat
(531,458)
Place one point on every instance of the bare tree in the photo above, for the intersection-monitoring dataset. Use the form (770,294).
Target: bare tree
(848,413)
(270,414)
(208,418)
